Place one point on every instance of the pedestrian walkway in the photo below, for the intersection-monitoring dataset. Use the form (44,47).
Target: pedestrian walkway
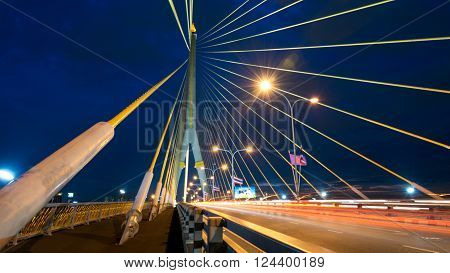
(163,234)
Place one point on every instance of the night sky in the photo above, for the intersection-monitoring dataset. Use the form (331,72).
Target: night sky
(66,65)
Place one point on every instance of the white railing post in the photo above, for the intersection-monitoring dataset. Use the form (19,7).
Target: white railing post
(47,230)
(215,235)
(74,214)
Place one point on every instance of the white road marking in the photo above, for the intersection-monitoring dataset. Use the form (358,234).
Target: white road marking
(420,249)
(431,238)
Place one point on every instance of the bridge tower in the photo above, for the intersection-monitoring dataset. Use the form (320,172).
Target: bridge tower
(187,125)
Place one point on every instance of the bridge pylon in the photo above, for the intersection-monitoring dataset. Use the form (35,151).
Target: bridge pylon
(187,131)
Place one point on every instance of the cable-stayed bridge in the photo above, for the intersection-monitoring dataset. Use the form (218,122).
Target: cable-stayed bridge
(225,196)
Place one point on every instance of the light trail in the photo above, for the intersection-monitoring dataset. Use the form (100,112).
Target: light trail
(427,89)
(390,127)
(417,40)
(235,19)
(415,185)
(254,21)
(254,144)
(172,6)
(286,137)
(221,21)
(303,23)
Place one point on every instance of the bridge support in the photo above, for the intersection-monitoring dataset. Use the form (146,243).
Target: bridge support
(134,216)
(21,200)
(187,132)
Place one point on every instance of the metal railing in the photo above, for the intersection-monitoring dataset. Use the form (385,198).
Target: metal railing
(203,233)
(60,216)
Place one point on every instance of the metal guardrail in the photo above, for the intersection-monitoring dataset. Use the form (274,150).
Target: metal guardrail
(60,216)
(201,233)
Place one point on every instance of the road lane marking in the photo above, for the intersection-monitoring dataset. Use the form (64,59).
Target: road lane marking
(431,238)
(421,249)
(335,231)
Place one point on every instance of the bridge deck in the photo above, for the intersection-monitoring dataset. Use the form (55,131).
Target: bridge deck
(163,234)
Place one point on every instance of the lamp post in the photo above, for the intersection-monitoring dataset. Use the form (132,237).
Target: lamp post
(266,86)
(122,193)
(204,183)
(223,167)
(233,153)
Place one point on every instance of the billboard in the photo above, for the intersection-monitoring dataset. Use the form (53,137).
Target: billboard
(244,192)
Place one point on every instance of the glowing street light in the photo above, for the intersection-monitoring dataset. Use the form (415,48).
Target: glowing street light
(6,175)
(152,196)
(248,149)
(323,194)
(191,184)
(122,193)
(195,177)
(283,196)
(314,100)
(223,167)
(410,190)
(265,85)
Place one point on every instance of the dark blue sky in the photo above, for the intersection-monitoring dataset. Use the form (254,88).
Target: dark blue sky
(53,89)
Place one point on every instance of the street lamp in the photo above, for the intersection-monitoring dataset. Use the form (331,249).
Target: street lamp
(314,100)
(222,167)
(410,190)
(266,86)
(323,194)
(248,149)
(122,193)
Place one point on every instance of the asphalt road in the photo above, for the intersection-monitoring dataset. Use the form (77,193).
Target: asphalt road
(322,233)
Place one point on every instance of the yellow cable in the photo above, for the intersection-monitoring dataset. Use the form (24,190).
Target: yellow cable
(417,186)
(135,104)
(303,23)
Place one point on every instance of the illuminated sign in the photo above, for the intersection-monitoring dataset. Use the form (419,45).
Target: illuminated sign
(244,192)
